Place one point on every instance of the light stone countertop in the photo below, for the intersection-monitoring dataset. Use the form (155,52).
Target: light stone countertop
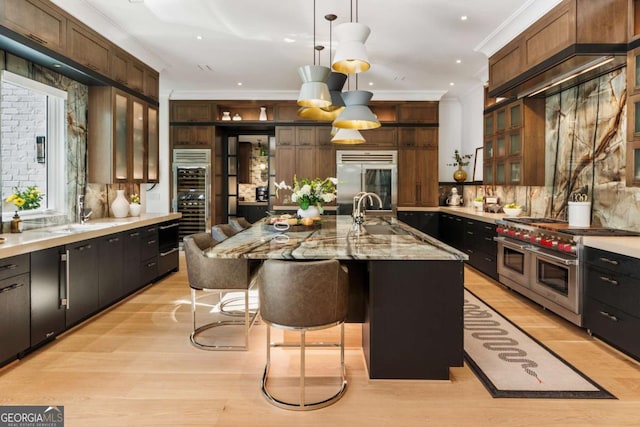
(44,238)
(381,238)
(629,246)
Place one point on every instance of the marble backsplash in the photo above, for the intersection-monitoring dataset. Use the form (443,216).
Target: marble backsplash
(585,146)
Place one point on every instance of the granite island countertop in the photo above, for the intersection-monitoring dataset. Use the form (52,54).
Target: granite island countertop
(381,238)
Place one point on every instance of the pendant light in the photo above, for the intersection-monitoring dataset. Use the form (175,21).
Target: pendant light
(357,114)
(335,82)
(314,91)
(351,54)
(348,137)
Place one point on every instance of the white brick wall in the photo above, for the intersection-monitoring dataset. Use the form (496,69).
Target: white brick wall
(24,116)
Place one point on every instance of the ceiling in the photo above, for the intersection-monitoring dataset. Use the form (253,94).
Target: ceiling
(413,48)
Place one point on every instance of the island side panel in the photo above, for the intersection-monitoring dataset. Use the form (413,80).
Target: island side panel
(414,324)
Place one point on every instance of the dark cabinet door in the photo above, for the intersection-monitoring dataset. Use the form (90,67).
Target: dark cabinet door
(110,272)
(82,285)
(169,247)
(452,230)
(132,250)
(47,309)
(14,316)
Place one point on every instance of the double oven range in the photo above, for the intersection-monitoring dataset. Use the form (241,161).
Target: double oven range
(541,258)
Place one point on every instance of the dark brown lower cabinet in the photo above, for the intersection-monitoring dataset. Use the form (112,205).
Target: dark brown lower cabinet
(612,299)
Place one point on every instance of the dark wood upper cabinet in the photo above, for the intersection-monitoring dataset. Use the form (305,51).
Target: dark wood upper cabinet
(193,111)
(36,20)
(87,48)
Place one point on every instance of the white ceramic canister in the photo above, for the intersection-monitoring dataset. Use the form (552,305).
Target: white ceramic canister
(579,214)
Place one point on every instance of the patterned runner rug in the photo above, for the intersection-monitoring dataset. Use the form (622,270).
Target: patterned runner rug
(511,363)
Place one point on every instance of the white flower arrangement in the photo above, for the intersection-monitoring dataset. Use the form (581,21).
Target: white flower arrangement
(307,192)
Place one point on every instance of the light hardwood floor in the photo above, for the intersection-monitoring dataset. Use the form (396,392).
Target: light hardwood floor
(134,365)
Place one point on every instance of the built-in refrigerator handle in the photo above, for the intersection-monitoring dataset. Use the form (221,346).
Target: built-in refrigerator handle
(64,258)
(208,198)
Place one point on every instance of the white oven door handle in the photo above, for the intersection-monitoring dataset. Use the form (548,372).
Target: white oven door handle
(557,259)
(511,244)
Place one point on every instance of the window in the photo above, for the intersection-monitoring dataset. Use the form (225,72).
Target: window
(32,142)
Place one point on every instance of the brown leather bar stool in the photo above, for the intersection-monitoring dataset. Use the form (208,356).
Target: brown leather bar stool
(223,275)
(239,223)
(303,296)
(221,232)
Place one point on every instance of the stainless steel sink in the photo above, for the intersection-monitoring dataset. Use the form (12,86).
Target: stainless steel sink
(79,228)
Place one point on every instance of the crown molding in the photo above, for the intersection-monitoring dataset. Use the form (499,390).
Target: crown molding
(515,24)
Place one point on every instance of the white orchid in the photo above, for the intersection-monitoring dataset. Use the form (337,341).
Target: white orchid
(306,192)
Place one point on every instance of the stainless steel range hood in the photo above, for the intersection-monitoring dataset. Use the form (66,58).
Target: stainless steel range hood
(570,67)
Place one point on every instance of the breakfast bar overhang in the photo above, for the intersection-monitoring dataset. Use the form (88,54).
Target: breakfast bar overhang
(405,287)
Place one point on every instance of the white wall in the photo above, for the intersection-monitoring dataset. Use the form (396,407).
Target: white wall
(159,199)
(472,123)
(449,136)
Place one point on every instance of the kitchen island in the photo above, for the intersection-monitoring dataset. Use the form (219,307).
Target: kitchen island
(406,287)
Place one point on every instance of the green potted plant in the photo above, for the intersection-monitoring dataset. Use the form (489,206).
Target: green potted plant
(478,203)
(460,175)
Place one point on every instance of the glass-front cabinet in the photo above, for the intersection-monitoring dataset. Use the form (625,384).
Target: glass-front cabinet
(123,137)
(514,143)
(153,145)
(633,116)
(138,150)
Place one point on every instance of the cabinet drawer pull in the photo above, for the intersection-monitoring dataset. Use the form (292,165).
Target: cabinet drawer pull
(114,239)
(135,234)
(489,239)
(36,38)
(168,252)
(151,242)
(151,264)
(608,280)
(8,267)
(610,261)
(11,287)
(49,334)
(488,259)
(471,233)
(164,227)
(83,247)
(609,316)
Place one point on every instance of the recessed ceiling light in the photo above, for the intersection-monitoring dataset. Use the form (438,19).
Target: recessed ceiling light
(463,18)
(370,83)
(199,37)
(239,83)
(458,61)
(452,84)
(288,40)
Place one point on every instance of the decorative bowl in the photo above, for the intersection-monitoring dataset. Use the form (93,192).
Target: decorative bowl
(512,211)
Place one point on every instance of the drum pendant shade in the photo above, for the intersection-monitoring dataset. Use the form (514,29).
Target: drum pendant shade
(314,91)
(357,114)
(320,114)
(348,137)
(351,54)
(335,82)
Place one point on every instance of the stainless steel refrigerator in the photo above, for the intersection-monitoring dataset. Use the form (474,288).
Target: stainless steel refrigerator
(192,189)
(367,171)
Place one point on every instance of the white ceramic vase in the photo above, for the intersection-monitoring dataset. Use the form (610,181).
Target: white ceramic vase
(120,206)
(310,212)
(134,209)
